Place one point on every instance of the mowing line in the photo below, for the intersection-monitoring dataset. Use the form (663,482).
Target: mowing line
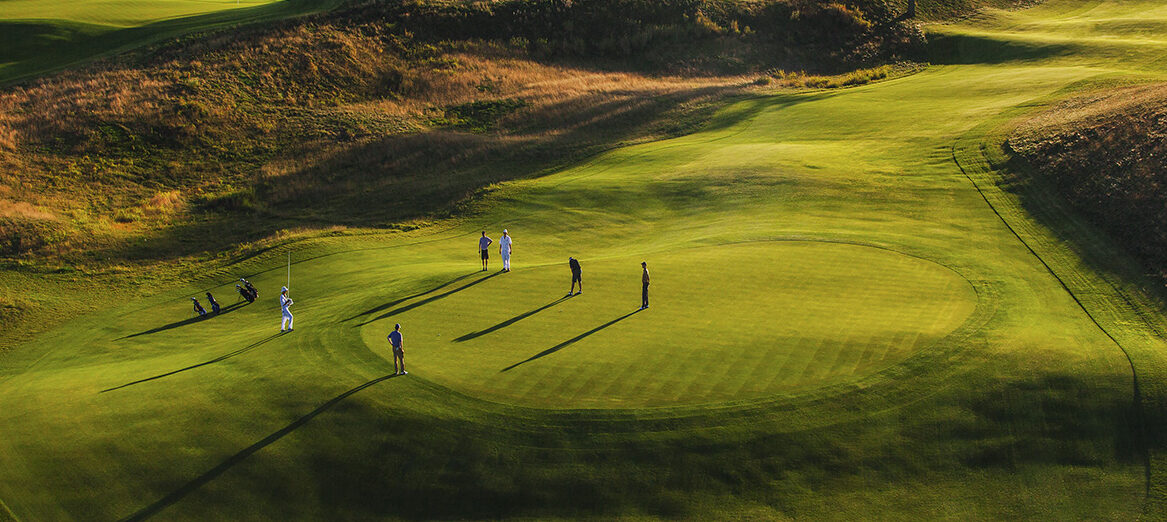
(1137,399)
(7,514)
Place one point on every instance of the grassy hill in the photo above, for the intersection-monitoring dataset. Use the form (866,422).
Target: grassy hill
(851,317)
(210,141)
(40,37)
(1099,151)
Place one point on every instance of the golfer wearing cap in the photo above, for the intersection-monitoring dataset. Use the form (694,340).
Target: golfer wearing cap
(484,249)
(285,302)
(398,344)
(504,250)
(644,289)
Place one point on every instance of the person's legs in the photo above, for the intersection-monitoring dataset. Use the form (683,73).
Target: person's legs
(644,296)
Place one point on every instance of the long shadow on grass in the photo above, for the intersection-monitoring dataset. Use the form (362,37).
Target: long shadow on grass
(214,473)
(427,300)
(391,304)
(184,322)
(569,342)
(220,358)
(510,321)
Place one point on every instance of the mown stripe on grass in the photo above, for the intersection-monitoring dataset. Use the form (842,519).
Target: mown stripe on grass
(1109,304)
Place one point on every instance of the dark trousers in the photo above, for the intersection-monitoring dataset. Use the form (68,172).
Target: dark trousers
(644,296)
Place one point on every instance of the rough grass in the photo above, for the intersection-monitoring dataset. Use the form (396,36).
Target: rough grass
(1104,152)
(315,123)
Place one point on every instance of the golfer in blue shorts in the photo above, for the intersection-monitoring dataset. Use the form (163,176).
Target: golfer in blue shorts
(398,344)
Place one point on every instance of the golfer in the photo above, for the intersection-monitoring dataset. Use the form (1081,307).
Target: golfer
(398,344)
(644,289)
(484,247)
(576,276)
(285,303)
(504,250)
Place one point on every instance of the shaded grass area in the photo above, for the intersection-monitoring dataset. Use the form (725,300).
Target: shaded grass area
(35,47)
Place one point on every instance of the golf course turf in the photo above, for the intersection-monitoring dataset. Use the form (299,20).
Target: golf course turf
(850,319)
(38,36)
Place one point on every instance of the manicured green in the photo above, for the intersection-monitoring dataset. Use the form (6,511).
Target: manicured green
(850,320)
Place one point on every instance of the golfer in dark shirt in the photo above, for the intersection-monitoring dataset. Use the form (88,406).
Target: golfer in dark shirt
(398,349)
(576,276)
(644,290)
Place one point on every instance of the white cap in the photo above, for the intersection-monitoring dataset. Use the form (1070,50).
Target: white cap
(504,231)
(284,289)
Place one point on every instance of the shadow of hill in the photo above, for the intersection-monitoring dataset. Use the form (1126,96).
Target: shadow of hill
(967,49)
(569,342)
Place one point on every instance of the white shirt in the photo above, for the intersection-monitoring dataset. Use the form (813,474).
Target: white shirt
(285,302)
(504,245)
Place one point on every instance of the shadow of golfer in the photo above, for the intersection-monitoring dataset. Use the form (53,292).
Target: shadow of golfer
(569,342)
(428,300)
(220,358)
(391,304)
(510,321)
(214,472)
(184,322)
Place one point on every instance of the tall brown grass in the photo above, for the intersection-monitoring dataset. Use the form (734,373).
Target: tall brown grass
(1106,153)
(318,117)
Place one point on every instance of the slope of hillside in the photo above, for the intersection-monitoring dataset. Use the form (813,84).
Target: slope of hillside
(214,140)
(1106,153)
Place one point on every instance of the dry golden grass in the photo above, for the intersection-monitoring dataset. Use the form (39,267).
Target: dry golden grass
(312,118)
(1095,108)
(1106,153)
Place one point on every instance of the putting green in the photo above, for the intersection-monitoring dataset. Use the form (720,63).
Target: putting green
(728,322)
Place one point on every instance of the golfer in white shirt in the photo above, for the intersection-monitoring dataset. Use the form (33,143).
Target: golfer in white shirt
(504,250)
(286,302)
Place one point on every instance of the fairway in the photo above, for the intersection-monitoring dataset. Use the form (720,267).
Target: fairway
(38,36)
(850,319)
(118,13)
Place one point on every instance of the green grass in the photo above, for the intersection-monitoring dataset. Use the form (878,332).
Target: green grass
(40,37)
(845,325)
